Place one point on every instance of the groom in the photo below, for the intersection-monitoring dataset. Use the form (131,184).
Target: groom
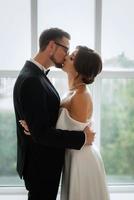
(40,156)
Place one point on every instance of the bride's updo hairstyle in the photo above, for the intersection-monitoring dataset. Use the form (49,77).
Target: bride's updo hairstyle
(87,63)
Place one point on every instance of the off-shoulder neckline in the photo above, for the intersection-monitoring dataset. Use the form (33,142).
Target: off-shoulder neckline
(67,112)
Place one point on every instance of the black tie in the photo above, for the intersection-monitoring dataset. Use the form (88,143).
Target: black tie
(47,71)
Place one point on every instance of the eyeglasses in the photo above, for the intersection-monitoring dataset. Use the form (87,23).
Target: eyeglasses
(65,48)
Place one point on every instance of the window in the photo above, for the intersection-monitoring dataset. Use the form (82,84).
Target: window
(117,113)
(15,49)
(14,33)
(76,17)
(117,33)
(117,129)
(8,175)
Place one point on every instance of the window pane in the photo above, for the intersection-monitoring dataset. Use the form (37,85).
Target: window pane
(117,33)
(76,17)
(8,175)
(14,33)
(117,128)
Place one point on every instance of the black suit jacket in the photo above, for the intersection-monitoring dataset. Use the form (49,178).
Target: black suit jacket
(41,155)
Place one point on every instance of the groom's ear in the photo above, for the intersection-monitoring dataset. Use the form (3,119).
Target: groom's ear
(52,45)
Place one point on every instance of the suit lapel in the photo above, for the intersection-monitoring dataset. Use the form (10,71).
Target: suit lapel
(50,85)
(32,68)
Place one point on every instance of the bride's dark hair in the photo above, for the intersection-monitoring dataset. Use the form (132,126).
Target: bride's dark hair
(87,63)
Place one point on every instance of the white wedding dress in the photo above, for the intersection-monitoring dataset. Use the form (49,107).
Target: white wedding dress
(83,176)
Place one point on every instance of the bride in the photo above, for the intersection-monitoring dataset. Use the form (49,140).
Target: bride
(83,176)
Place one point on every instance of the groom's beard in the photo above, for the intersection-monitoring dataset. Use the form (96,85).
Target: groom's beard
(57,65)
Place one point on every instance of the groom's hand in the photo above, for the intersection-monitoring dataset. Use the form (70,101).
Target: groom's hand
(89,135)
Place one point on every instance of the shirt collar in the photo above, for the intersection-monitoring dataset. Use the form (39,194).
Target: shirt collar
(42,68)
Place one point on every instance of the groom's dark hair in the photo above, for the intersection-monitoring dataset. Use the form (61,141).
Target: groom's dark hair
(54,34)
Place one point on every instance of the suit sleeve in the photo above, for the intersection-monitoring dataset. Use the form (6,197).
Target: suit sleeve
(36,113)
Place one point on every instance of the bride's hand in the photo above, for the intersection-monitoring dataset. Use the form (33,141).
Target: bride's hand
(90,135)
(25,126)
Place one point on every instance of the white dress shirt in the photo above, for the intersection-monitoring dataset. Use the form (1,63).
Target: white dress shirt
(42,68)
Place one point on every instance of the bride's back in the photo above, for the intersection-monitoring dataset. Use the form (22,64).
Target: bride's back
(79,104)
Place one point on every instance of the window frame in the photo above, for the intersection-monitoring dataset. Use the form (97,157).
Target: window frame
(107,74)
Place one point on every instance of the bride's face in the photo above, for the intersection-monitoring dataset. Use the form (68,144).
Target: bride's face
(68,65)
